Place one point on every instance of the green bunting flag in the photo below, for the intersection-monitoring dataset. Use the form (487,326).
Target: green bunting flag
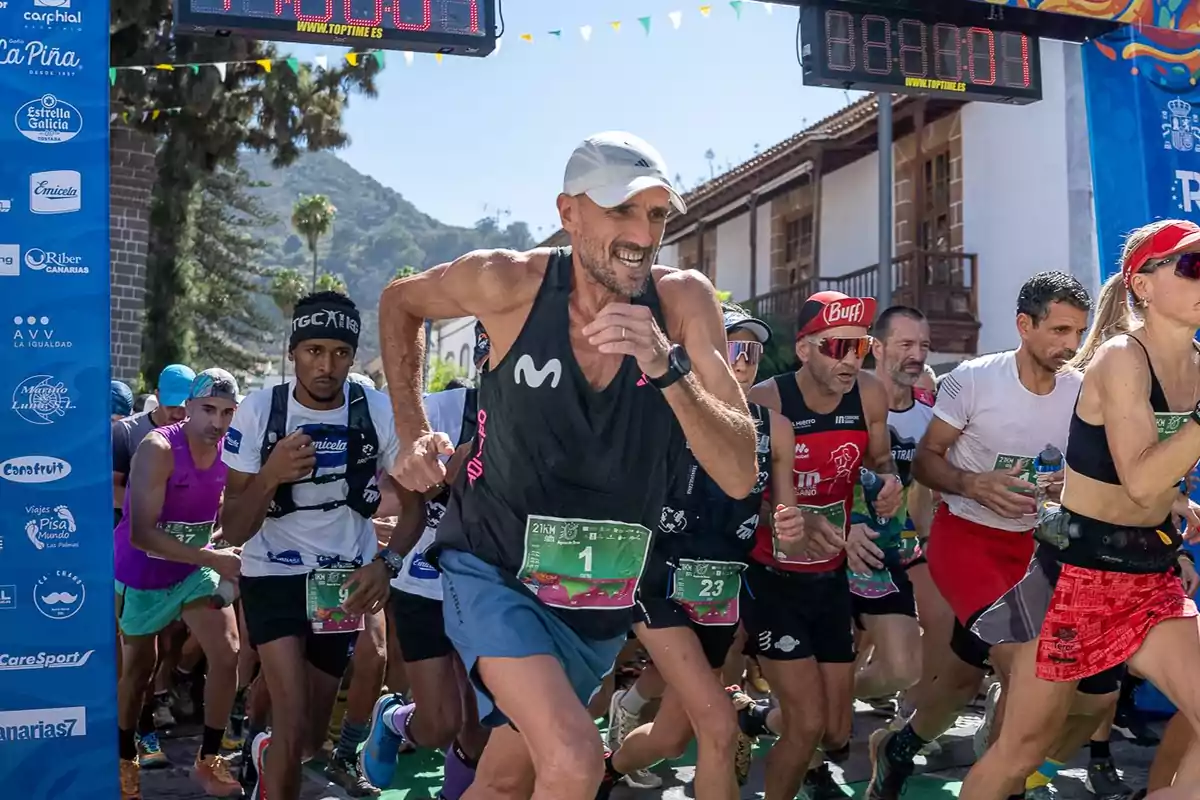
(645,24)
(736,5)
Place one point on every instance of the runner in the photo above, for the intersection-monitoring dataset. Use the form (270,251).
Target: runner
(1134,438)
(439,686)
(993,415)
(690,594)
(173,385)
(122,401)
(304,459)
(797,611)
(890,632)
(166,569)
(595,353)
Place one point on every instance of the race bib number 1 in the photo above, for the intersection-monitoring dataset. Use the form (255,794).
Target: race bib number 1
(834,512)
(1006,462)
(583,564)
(709,591)
(327,590)
(193,534)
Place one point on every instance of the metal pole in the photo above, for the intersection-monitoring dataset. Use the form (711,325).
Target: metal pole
(884,285)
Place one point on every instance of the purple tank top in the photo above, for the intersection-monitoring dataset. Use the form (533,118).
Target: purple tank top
(189,512)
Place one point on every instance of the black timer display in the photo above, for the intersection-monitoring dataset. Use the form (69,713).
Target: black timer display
(873,48)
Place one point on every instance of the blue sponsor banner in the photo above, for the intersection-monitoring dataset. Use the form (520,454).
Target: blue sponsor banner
(57,643)
(1144,125)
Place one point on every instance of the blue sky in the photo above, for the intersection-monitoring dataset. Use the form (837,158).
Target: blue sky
(456,136)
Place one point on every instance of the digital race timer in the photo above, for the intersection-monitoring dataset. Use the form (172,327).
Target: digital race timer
(955,51)
(454,27)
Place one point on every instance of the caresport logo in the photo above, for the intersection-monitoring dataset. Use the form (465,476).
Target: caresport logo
(44,660)
(34,469)
(48,120)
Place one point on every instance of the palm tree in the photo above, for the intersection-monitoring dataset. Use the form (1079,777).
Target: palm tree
(312,217)
(287,287)
(328,282)
(710,155)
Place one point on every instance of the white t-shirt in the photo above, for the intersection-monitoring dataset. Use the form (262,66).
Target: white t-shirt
(445,413)
(304,540)
(1001,421)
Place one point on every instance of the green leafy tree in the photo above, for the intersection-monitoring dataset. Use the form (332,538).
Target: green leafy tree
(328,282)
(287,287)
(405,272)
(201,117)
(443,370)
(312,218)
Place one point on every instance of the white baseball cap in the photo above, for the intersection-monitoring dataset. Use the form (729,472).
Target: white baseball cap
(612,167)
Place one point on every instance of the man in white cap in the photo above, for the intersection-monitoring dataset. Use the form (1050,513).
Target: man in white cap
(601,363)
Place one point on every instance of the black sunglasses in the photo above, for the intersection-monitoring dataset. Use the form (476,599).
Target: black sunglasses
(1187,266)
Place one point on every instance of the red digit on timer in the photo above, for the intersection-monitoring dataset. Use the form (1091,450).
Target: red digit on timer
(839,37)
(1014,56)
(300,15)
(371,22)
(914,58)
(981,48)
(473,27)
(426,17)
(877,44)
(947,48)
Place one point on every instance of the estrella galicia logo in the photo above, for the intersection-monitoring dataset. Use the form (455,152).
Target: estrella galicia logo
(48,120)
(233,441)
(58,594)
(34,469)
(330,443)
(41,400)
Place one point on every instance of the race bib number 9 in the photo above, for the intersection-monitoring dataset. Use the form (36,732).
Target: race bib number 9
(327,590)
(193,534)
(583,564)
(709,591)
(834,512)
(1006,463)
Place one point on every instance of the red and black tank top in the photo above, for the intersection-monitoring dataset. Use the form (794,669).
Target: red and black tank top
(829,452)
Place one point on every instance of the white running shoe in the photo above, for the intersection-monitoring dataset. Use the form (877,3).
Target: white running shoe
(984,734)
(621,723)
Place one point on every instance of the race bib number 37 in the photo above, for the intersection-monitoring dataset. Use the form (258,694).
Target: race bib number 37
(708,591)
(193,534)
(327,590)
(583,564)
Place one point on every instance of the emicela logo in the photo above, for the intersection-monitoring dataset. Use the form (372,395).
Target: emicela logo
(34,469)
(48,120)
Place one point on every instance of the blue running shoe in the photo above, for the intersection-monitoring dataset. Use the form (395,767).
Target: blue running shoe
(377,760)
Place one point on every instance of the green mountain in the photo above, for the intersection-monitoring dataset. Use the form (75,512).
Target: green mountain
(376,232)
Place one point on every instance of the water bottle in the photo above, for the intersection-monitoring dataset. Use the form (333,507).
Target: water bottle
(890,530)
(1048,462)
(225,595)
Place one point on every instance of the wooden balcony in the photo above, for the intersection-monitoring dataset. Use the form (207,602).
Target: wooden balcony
(941,284)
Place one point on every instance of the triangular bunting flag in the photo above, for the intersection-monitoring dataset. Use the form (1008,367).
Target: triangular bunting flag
(737,7)
(379,60)
(408,58)
(145,114)
(526,37)
(139,70)
(322,62)
(438,57)
(220,69)
(556,34)
(768,7)
(676,17)
(586,33)
(112,76)
(615,25)
(154,115)
(125,116)
(165,67)
(293,64)
(265,63)
(352,59)
(645,24)
(112,117)
(705,10)
(195,68)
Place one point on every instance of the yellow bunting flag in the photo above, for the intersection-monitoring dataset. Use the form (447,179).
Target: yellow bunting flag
(615,25)
(265,63)
(165,67)
(352,59)
(705,10)
(154,114)
(526,37)
(438,57)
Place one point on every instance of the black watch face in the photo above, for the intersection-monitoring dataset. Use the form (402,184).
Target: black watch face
(681,360)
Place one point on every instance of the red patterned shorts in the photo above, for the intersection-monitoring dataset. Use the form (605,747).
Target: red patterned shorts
(1099,619)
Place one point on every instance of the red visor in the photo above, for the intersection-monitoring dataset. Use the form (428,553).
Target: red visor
(1172,239)
(825,310)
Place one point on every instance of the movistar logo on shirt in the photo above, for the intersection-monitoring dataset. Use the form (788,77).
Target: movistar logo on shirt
(534,376)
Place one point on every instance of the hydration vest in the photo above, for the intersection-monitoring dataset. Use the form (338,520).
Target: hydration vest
(362,456)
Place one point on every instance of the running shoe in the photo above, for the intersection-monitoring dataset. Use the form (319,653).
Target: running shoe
(1104,781)
(232,741)
(163,718)
(887,779)
(181,704)
(820,785)
(131,780)
(621,723)
(377,760)
(215,777)
(983,733)
(887,707)
(1046,792)
(258,758)
(931,748)
(744,754)
(1132,725)
(150,754)
(346,774)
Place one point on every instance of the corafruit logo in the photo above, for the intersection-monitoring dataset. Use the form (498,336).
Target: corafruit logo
(48,120)
(34,469)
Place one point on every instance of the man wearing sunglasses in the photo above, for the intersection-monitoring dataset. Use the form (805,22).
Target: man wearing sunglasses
(796,609)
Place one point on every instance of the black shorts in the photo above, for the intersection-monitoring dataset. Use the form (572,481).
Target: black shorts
(794,615)
(420,627)
(659,612)
(901,602)
(276,606)
(976,652)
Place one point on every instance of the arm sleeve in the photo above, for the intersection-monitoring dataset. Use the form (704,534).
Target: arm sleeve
(956,397)
(241,450)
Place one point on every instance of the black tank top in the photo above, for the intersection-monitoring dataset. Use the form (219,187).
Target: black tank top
(547,444)
(1087,445)
(701,521)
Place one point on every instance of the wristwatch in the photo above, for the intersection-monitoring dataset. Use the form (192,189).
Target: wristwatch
(678,365)
(393,561)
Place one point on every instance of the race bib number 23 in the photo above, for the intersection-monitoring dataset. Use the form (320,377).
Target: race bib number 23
(583,564)
(709,591)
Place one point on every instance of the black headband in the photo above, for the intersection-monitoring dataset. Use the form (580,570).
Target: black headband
(325,321)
